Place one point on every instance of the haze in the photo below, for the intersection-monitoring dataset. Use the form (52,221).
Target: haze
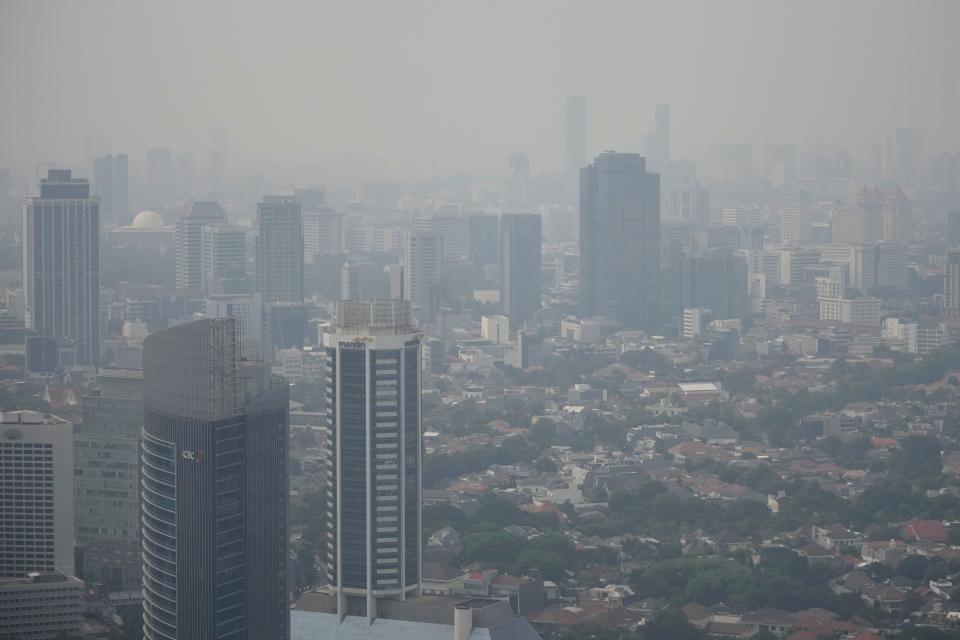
(455,86)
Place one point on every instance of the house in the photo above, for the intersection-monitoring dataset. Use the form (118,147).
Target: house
(770,619)
(730,542)
(445,538)
(816,554)
(559,617)
(440,578)
(925,530)
(836,536)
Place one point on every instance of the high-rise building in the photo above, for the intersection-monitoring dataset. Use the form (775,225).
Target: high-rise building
(373,469)
(691,203)
(795,218)
(658,142)
(519,266)
(214,488)
(496,329)
(422,271)
(483,239)
(695,321)
(951,284)
(349,282)
(904,157)
(161,174)
(892,267)
(897,218)
(36,482)
(453,230)
(224,259)
(61,265)
(620,239)
(953,228)
(322,234)
(576,136)
(793,263)
(111,183)
(189,242)
(280,250)
(107,484)
(780,164)
(248,309)
(716,281)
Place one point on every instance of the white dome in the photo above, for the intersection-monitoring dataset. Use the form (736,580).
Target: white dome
(147,219)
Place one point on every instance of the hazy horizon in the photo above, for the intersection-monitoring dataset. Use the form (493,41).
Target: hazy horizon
(447,87)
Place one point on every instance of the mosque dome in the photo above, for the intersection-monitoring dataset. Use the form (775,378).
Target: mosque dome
(147,219)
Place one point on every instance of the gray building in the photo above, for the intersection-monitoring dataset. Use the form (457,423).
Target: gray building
(519,266)
(483,239)
(61,265)
(716,280)
(620,240)
(214,488)
(576,135)
(373,469)
(41,606)
(280,250)
(106,487)
(210,252)
(111,183)
(422,273)
(36,482)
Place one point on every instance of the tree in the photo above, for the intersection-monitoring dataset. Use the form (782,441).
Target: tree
(497,548)
(543,433)
(671,624)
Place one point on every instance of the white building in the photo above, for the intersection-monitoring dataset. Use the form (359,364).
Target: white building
(695,321)
(36,482)
(795,218)
(495,328)
(919,337)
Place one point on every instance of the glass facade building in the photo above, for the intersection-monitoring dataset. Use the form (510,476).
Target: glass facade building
(374,457)
(214,488)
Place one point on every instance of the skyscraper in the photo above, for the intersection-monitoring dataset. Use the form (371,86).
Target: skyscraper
(107,483)
(349,282)
(795,218)
(214,488)
(483,239)
(519,266)
(280,250)
(716,281)
(61,265)
(953,228)
(576,140)
(209,250)
(373,469)
(904,157)
(422,270)
(658,142)
(36,469)
(620,239)
(111,183)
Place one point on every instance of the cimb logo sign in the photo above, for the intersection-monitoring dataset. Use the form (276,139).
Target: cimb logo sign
(192,456)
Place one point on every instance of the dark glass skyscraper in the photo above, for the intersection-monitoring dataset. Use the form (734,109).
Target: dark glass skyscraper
(373,470)
(214,496)
(620,240)
(519,266)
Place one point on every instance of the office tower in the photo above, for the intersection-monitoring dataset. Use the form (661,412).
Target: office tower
(36,470)
(280,270)
(518,165)
(741,216)
(795,218)
(349,282)
(186,173)
(111,183)
(496,329)
(904,157)
(41,356)
(658,142)
(793,263)
(483,239)
(322,234)
(576,136)
(691,203)
(211,255)
(716,281)
(951,284)
(106,489)
(953,228)
(897,215)
(519,266)
(891,265)
(736,163)
(529,351)
(161,174)
(780,164)
(61,265)
(620,240)
(422,271)
(214,489)
(280,250)
(695,322)
(394,273)
(311,198)
(848,225)
(453,230)
(41,606)
(248,309)
(373,469)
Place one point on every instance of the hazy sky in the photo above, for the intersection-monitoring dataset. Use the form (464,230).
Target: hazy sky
(461,84)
